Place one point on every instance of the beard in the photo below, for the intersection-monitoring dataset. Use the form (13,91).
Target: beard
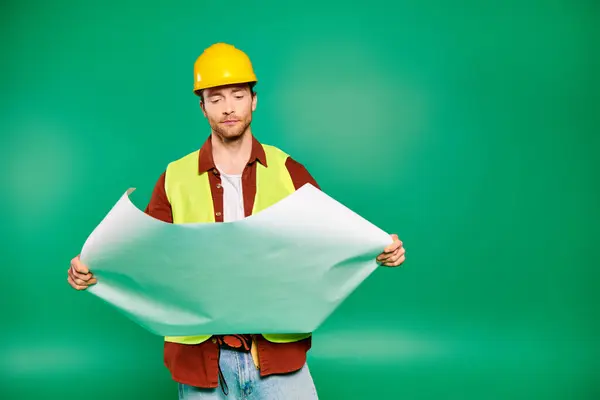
(230,133)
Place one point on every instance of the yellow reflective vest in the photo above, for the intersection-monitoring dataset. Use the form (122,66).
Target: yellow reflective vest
(190,196)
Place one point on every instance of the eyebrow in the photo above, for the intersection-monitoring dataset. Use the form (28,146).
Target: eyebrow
(220,93)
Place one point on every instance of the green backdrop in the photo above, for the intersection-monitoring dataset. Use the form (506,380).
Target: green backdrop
(468,128)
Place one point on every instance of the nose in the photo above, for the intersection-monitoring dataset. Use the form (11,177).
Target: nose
(229,109)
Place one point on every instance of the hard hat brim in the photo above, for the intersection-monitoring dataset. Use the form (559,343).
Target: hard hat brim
(223,82)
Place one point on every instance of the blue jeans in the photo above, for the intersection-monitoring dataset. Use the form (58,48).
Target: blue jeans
(243,382)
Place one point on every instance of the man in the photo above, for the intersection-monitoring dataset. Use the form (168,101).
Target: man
(231,176)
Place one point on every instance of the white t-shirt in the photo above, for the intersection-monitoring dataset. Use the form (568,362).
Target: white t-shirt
(233,197)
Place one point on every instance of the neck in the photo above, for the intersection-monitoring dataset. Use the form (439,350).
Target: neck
(231,156)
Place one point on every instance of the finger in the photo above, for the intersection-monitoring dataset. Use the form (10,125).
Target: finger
(396,262)
(394,245)
(400,252)
(79,275)
(75,285)
(79,282)
(77,278)
(389,261)
(386,257)
(79,266)
(83,283)
(400,261)
(388,252)
(395,258)
(71,273)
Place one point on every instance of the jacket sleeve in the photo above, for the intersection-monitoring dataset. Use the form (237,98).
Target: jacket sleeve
(159,206)
(299,174)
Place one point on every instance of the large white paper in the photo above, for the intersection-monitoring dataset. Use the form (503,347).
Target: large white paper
(283,270)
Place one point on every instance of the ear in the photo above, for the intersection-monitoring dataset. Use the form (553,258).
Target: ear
(254,101)
(202,108)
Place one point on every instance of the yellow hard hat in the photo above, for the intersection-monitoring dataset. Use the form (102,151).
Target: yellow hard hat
(222,64)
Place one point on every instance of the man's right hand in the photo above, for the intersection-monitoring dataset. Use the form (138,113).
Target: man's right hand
(79,276)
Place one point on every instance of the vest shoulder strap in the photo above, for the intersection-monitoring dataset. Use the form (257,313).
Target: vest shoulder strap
(188,191)
(273,182)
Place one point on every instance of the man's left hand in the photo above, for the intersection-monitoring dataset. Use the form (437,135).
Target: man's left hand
(393,255)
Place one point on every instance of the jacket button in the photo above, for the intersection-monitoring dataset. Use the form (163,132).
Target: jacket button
(218,213)
(218,186)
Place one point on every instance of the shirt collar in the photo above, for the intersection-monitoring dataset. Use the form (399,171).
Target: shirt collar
(206,161)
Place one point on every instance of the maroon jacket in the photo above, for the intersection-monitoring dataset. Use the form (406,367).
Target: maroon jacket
(197,365)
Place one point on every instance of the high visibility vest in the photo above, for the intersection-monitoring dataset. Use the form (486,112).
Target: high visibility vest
(190,196)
